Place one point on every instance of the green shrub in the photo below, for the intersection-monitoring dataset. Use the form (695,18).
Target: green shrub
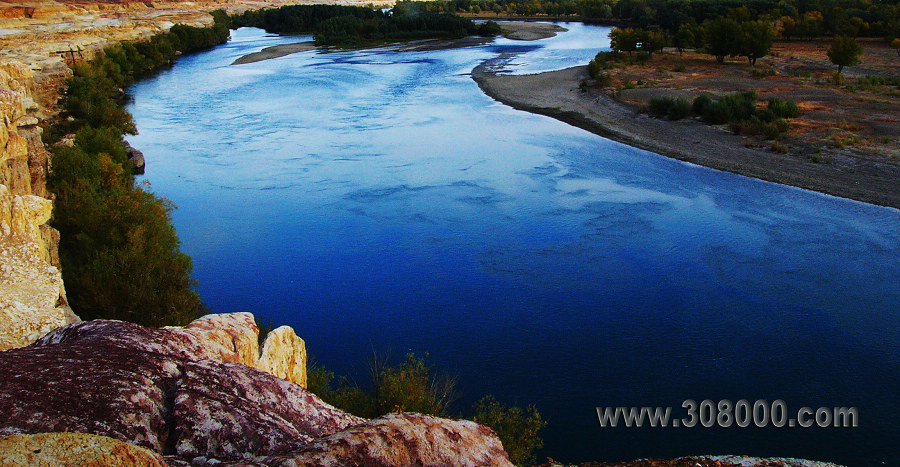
(604,80)
(673,109)
(680,68)
(700,103)
(519,429)
(717,113)
(778,146)
(783,108)
(659,106)
(679,109)
(782,125)
(410,386)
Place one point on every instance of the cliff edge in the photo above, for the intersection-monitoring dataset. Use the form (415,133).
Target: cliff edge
(188,394)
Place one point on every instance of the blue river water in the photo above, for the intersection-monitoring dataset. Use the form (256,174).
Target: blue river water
(378,200)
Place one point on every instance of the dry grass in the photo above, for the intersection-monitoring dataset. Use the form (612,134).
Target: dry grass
(802,73)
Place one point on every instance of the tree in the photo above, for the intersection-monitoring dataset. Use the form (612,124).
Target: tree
(895,44)
(652,42)
(844,51)
(723,37)
(757,38)
(624,39)
(689,36)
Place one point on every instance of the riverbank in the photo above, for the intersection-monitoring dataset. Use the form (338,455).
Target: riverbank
(558,94)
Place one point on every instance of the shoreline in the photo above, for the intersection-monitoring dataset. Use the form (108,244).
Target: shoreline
(557,94)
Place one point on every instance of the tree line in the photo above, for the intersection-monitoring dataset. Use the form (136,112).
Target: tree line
(349,26)
(120,255)
(733,35)
(800,19)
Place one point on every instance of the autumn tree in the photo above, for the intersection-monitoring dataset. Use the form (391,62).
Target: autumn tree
(844,51)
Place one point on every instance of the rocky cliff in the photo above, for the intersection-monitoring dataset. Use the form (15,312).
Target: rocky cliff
(188,394)
(32,297)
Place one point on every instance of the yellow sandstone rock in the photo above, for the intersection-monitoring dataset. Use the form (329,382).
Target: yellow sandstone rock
(74,449)
(284,355)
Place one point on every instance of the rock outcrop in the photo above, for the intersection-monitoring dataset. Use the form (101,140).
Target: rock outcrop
(32,297)
(402,439)
(188,394)
(74,450)
(284,355)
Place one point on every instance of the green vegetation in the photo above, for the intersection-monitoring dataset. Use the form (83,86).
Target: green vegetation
(673,109)
(412,387)
(630,40)
(347,26)
(519,429)
(844,51)
(720,37)
(739,111)
(794,18)
(119,251)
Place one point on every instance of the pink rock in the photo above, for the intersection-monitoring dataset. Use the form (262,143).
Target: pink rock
(232,412)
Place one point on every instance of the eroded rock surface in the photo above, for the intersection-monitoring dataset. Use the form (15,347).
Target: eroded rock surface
(284,355)
(402,439)
(188,393)
(75,450)
(230,411)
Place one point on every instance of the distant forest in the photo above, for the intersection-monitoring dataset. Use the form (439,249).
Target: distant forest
(356,26)
(794,18)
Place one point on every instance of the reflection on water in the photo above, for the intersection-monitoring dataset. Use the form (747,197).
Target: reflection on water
(379,199)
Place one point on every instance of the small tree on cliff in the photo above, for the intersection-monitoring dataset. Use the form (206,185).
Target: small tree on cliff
(844,51)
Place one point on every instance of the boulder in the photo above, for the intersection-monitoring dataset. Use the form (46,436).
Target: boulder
(75,450)
(284,355)
(188,394)
(402,439)
(135,158)
(233,412)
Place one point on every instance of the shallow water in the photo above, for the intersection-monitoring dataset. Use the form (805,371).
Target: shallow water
(377,199)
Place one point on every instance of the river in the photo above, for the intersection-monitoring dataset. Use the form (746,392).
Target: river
(378,200)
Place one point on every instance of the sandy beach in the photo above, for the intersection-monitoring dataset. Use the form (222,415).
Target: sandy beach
(275,51)
(557,94)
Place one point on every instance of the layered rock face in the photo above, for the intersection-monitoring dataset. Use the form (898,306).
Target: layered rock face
(32,297)
(189,394)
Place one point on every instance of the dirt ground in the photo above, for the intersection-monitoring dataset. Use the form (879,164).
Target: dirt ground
(850,117)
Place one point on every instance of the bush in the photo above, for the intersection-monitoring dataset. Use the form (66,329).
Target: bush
(700,103)
(518,429)
(604,80)
(717,113)
(673,109)
(659,106)
(783,108)
(681,108)
(411,386)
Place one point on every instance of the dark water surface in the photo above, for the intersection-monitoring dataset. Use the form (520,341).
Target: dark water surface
(379,199)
